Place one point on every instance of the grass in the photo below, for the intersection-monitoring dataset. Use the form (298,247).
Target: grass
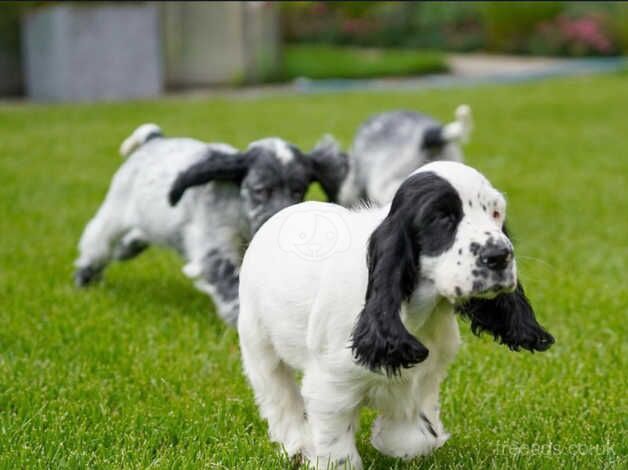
(138,372)
(322,61)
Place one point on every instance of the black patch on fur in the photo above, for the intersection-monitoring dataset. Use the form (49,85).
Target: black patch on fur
(329,168)
(427,422)
(153,135)
(433,138)
(87,275)
(478,286)
(509,318)
(222,274)
(214,165)
(483,273)
(134,248)
(423,219)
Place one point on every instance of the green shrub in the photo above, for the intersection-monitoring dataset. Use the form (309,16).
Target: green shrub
(508,25)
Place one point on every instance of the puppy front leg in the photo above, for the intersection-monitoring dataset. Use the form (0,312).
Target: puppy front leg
(133,244)
(406,438)
(332,413)
(97,243)
(217,274)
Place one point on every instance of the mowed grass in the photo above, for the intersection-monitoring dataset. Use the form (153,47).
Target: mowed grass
(138,372)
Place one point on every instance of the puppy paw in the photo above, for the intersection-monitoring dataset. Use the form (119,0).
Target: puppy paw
(406,440)
(87,275)
(192,270)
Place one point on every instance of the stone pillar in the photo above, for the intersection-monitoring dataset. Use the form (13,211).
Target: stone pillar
(210,43)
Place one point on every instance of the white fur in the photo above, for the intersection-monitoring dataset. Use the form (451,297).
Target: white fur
(136,209)
(298,311)
(278,146)
(137,138)
(460,129)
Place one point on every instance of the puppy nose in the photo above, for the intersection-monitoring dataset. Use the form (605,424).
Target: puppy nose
(496,257)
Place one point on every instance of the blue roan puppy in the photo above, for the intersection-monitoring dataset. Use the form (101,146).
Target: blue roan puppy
(203,200)
(390,146)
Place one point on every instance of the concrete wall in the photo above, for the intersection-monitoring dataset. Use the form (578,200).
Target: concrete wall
(91,52)
(220,42)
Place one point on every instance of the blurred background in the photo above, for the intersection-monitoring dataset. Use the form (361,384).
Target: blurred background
(66,51)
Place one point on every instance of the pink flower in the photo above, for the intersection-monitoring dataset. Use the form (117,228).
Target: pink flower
(586,31)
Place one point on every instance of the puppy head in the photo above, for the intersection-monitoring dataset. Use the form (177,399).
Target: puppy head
(445,226)
(272,174)
(459,223)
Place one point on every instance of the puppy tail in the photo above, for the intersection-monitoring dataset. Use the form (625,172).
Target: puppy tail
(139,137)
(458,130)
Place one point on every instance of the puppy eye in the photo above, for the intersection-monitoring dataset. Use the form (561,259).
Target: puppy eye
(262,193)
(497,215)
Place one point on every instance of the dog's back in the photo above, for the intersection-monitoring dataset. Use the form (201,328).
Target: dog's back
(310,238)
(389,146)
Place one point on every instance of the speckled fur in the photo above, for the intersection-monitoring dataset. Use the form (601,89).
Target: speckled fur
(211,224)
(389,146)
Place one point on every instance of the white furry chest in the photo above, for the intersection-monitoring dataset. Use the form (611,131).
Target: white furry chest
(418,309)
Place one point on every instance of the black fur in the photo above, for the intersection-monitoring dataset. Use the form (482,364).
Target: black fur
(221,273)
(329,167)
(423,218)
(215,165)
(153,135)
(510,319)
(264,174)
(433,138)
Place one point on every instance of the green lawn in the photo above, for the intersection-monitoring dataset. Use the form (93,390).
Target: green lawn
(138,372)
(322,61)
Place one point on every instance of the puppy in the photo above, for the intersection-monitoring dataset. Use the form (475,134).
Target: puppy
(390,146)
(366,311)
(203,200)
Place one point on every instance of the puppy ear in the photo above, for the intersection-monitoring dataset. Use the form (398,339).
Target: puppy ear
(379,339)
(510,319)
(329,166)
(214,165)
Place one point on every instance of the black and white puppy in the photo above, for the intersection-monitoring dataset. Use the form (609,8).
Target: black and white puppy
(389,146)
(362,302)
(203,200)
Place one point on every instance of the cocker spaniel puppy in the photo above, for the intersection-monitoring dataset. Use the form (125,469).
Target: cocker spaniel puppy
(362,303)
(390,146)
(203,200)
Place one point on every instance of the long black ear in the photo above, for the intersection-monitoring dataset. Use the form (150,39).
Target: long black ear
(509,318)
(379,339)
(214,165)
(330,166)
